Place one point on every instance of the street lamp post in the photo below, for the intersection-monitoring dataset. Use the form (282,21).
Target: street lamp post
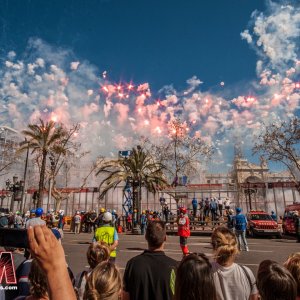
(25,175)
(2,197)
(249,191)
(51,178)
(14,188)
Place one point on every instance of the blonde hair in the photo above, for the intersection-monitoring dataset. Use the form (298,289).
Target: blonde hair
(97,253)
(225,244)
(293,265)
(104,283)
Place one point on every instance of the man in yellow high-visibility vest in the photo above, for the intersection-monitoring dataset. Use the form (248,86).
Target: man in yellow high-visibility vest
(107,233)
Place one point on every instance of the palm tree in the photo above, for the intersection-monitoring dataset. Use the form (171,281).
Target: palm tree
(138,169)
(43,139)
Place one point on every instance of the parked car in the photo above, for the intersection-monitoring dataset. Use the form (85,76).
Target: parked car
(288,226)
(261,223)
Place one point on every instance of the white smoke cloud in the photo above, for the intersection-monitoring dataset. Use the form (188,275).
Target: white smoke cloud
(275,35)
(49,84)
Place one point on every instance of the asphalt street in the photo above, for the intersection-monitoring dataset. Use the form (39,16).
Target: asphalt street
(131,245)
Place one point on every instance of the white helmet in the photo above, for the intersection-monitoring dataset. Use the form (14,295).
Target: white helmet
(107,217)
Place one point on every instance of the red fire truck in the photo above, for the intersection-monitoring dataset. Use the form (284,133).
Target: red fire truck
(288,226)
(261,223)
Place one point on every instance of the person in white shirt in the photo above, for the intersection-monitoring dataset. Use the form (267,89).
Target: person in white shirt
(232,281)
(220,206)
(36,220)
(227,204)
(77,222)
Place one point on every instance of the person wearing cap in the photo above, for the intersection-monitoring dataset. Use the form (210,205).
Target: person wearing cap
(240,226)
(36,220)
(108,234)
(183,230)
(100,217)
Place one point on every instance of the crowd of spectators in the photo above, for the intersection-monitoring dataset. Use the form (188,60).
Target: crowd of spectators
(154,275)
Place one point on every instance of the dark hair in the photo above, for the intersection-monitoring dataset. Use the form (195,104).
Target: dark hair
(293,265)
(225,244)
(104,283)
(155,234)
(97,253)
(38,280)
(275,282)
(194,279)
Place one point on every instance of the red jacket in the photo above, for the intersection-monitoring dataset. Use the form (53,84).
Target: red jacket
(184,226)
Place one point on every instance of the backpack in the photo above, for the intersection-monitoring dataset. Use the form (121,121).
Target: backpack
(78,284)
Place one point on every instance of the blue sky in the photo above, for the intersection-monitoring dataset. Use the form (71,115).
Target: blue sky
(161,42)
(225,66)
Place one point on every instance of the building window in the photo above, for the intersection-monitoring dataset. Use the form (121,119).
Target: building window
(208,181)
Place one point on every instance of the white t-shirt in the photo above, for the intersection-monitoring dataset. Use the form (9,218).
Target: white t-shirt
(227,202)
(77,219)
(220,201)
(232,282)
(35,222)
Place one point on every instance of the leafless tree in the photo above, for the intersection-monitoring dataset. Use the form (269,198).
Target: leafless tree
(279,142)
(181,152)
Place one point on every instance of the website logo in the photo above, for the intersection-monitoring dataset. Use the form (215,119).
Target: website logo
(7,268)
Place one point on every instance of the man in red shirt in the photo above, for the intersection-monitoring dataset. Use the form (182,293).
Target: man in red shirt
(183,230)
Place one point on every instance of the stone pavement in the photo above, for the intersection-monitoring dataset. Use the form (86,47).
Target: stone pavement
(131,245)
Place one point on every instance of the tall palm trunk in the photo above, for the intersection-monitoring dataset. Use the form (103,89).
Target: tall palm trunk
(42,179)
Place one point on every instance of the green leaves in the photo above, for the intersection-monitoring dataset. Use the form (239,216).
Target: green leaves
(140,166)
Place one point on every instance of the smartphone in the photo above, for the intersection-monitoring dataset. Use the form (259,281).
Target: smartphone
(12,237)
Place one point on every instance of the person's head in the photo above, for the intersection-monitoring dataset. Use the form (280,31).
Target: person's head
(182,211)
(293,265)
(224,244)
(38,280)
(194,279)
(275,282)
(97,253)
(104,283)
(238,210)
(155,234)
(39,212)
(107,217)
